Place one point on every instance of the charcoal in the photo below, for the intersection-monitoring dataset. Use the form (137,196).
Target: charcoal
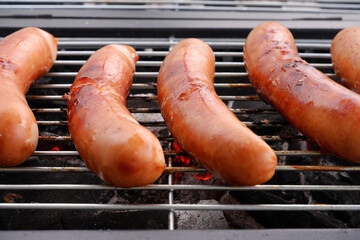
(201,219)
(288,219)
(239,219)
(76,220)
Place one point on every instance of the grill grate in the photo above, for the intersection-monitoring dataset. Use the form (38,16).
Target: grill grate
(231,83)
(305,6)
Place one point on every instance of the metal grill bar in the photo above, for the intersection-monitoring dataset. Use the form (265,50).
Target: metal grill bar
(176,7)
(145,85)
(178,187)
(235,44)
(177,153)
(170,139)
(222,40)
(156,110)
(57,138)
(158,64)
(307,3)
(171,222)
(144,98)
(164,53)
(189,207)
(183,169)
(155,74)
(248,124)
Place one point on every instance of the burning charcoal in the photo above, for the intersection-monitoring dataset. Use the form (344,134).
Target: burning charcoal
(13,198)
(331,197)
(195,196)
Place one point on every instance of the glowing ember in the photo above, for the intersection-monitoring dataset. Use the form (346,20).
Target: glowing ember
(176,146)
(185,161)
(13,198)
(203,176)
(180,159)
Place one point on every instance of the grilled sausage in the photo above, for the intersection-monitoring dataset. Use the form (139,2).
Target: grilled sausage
(202,124)
(25,56)
(345,57)
(317,106)
(110,141)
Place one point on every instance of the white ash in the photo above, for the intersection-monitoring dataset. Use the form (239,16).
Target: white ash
(201,219)
(282,159)
(151,117)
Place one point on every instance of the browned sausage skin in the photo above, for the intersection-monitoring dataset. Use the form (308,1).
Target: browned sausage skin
(25,56)
(202,124)
(345,57)
(320,108)
(109,140)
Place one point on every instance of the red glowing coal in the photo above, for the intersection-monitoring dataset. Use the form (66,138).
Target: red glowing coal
(185,161)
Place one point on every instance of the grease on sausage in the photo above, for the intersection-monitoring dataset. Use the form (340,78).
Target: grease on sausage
(317,106)
(25,56)
(202,124)
(109,140)
(345,57)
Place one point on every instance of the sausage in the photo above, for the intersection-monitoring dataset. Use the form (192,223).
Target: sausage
(345,57)
(108,138)
(25,56)
(317,106)
(202,124)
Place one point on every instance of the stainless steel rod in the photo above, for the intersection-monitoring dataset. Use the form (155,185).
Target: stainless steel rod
(181,169)
(149,85)
(176,153)
(157,110)
(181,187)
(169,139)
(56,153)
(164,53)
(147,74)
(49,110)
(239,44)
(248,124)
(189,207)
(159,53)
(176,7)
(49,123)
(158,64)
(173,40)
(318,4)
(146,63)
(145,98)
(155,74)
(56,138)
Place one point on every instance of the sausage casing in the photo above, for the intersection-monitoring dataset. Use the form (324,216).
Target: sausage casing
(317,106)
(25,56)
(345,57)
(202,124)
(109,140)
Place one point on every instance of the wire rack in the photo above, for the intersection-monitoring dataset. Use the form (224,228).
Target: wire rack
(46,100)
(328,6)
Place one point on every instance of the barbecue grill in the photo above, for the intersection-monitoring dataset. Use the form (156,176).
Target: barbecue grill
(54,190)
